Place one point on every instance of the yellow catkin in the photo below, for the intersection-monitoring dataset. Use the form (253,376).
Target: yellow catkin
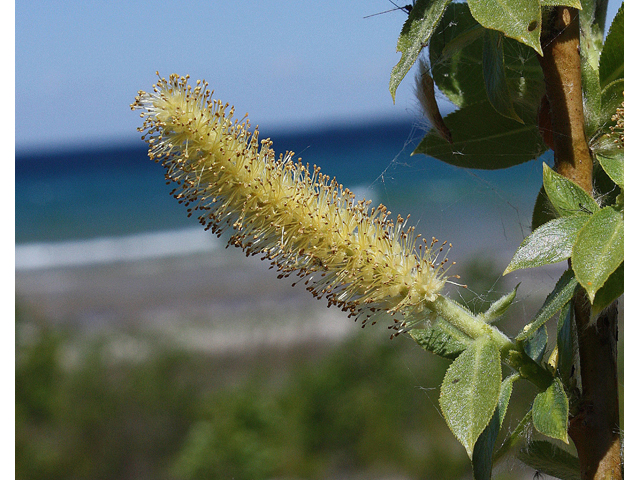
(303,222)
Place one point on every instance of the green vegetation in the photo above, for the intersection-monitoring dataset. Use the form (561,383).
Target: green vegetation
(84,409)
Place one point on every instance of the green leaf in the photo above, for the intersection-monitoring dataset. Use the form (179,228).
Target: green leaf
(536,345)
(561,3)
(518,19)
(442,339)
(543,210)
(612,289)
(415,35)
(551,460)
(482,138)
(599,249)
(464,39)
(590,48)
(470,391)
(612,57)
(566,196)
(565,341)
(551,412)
(519,432)
(603,141)
(456,60)
(495,79)
(483,449)
(549,243)
(613,165)
(499,307)
(611,99)
(558,298)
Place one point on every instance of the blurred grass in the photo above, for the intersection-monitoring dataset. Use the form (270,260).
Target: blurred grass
(127,404)
(84,409)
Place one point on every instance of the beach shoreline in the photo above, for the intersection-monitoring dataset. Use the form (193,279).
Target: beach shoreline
(210,298)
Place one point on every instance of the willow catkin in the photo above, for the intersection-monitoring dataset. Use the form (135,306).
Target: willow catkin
(303,222)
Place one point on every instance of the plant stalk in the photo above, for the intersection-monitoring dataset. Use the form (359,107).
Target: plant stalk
(595,428)
(470,325)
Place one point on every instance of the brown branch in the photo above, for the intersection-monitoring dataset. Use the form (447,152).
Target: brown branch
(595,428)
(561,67)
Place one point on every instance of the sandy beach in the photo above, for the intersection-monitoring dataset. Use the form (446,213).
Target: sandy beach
(217,300)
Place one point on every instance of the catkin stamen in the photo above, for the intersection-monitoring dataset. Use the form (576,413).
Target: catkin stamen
(293,215)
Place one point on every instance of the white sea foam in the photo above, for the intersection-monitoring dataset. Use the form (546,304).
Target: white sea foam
(143,246)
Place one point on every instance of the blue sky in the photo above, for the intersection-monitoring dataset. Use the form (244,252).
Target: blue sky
(79,64)
(287,63)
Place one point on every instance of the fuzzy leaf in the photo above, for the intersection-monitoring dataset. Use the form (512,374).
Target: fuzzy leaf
(442,339)
(551,412)
(482,458)
(518,19)
(599,249)
(549,243)
(612,57)
(611,99)
(470,391)
(499,307)
(612,289)
(566,196)
(561,3)
(590,48)
(495,79)
(456,60)
(536,345)
(456,57)
(565,337)
(613,165)
(558,298)
(415,35)
(551,460)
(482,138)
(543,210)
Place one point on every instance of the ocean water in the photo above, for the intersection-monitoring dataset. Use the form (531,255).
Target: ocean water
(86,206)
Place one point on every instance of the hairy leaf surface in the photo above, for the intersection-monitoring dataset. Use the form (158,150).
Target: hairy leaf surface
(549,243)
(550,460)
(518,19)
(558,298)
(551,412)
(470,391)
(415,35)
(599,249)
(566,196)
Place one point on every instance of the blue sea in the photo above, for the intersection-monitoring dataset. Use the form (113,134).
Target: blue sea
(88,206)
